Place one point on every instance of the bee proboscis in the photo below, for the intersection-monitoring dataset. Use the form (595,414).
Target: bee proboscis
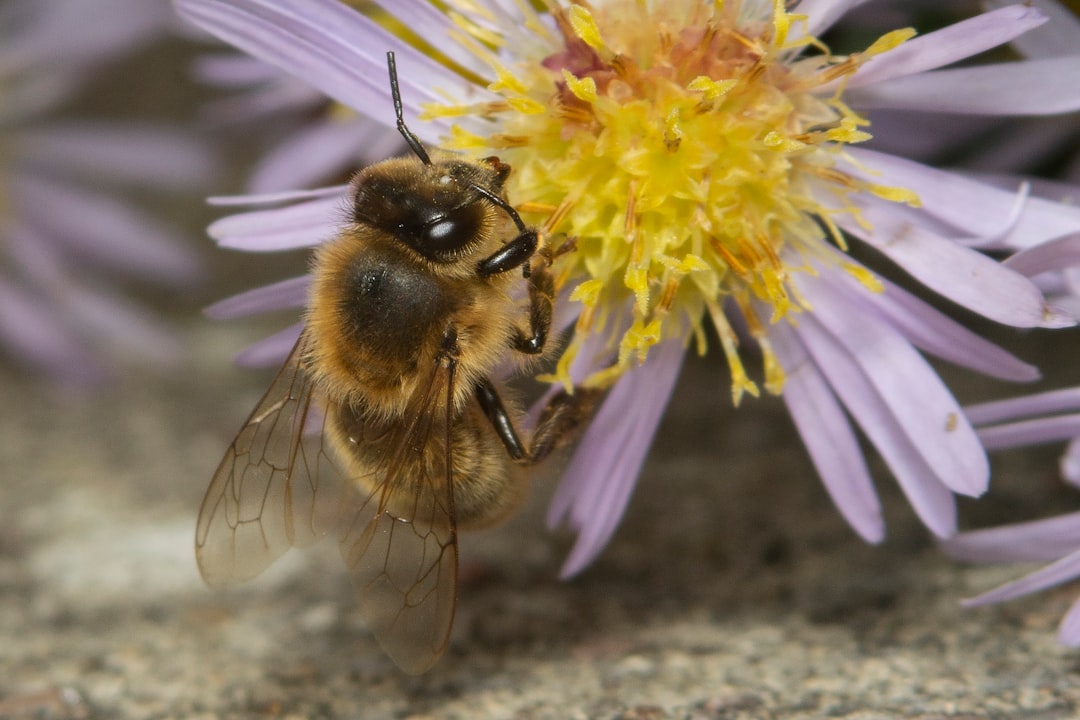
(383,425)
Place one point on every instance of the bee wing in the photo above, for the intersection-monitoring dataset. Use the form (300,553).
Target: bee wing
(275,488)
(404,563)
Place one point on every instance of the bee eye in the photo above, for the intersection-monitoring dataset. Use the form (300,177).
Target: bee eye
(447,234)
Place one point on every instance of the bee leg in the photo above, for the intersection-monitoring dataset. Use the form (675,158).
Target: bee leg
(559,422)
(541,300)
(513,254)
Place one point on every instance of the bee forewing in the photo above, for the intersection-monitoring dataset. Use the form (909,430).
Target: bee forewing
(405,573)
(275,488)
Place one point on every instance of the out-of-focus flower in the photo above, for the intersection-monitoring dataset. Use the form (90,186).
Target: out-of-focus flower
(313,140)
(65,242)
(703,157)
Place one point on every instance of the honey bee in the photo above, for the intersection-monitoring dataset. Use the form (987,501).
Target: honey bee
(384,425)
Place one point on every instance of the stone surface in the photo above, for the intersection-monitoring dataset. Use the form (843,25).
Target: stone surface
(732,589)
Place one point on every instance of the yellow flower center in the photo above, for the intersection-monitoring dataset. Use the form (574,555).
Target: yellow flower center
(679,145)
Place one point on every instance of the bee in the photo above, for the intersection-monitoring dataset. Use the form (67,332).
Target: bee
(384,425)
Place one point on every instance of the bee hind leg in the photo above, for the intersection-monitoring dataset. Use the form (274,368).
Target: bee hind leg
(560,421)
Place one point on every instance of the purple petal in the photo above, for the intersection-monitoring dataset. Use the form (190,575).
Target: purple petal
(302,225)
(1070,463)
(31,330)
(276,198)
(263,104)
(1069,630)
(597,484)
(1039,431)
(828,437)
(322,150)
(57,31)
(945,46)
(1027,87)
(1060,36)
(966,277)
(291,293)
(120,327)
(1049,256)
(975,209)
(152,156)
(103,230)
(1038,541)
(931,330)
(233,71)
(929,497)
(270,351)
(437,28)
(332,47)
(1056,401)
(1056,573)
(915,397)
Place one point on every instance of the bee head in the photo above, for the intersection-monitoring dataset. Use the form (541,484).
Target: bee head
(436,210)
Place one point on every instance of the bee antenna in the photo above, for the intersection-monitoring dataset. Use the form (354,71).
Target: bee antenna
(411,140)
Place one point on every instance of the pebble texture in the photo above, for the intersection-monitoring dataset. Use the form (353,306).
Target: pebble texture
(732,589)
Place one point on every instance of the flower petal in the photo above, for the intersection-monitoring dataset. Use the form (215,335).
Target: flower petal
(1069,629)
(1037,541)
(596,486)
(828,436)
(102,230)
(915,397)
(145,154)
(305,224)
(1028,87)
(1056,254)
(1056,401)
(31,331)
(322,150)
(966,277)
(952,43)
(1025,433)
(331,46)
(270,351)
(291,293)
(1063,570)
(972,208)
(930,330)
(921,481)
(1053,39)
(276,198)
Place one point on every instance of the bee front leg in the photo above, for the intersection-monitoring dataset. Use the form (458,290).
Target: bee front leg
(559,423)
(513,254)
(541,304)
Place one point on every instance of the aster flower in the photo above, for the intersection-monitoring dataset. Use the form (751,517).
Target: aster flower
(64,241)
(703,157)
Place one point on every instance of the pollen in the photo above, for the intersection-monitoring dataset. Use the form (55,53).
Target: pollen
(685,144)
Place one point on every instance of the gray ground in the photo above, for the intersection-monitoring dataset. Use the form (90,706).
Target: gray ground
(732,590)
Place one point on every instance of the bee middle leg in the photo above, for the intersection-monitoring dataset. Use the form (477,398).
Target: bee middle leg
(560,420)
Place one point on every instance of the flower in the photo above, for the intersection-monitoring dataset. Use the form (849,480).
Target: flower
(64,241)
(703,158)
